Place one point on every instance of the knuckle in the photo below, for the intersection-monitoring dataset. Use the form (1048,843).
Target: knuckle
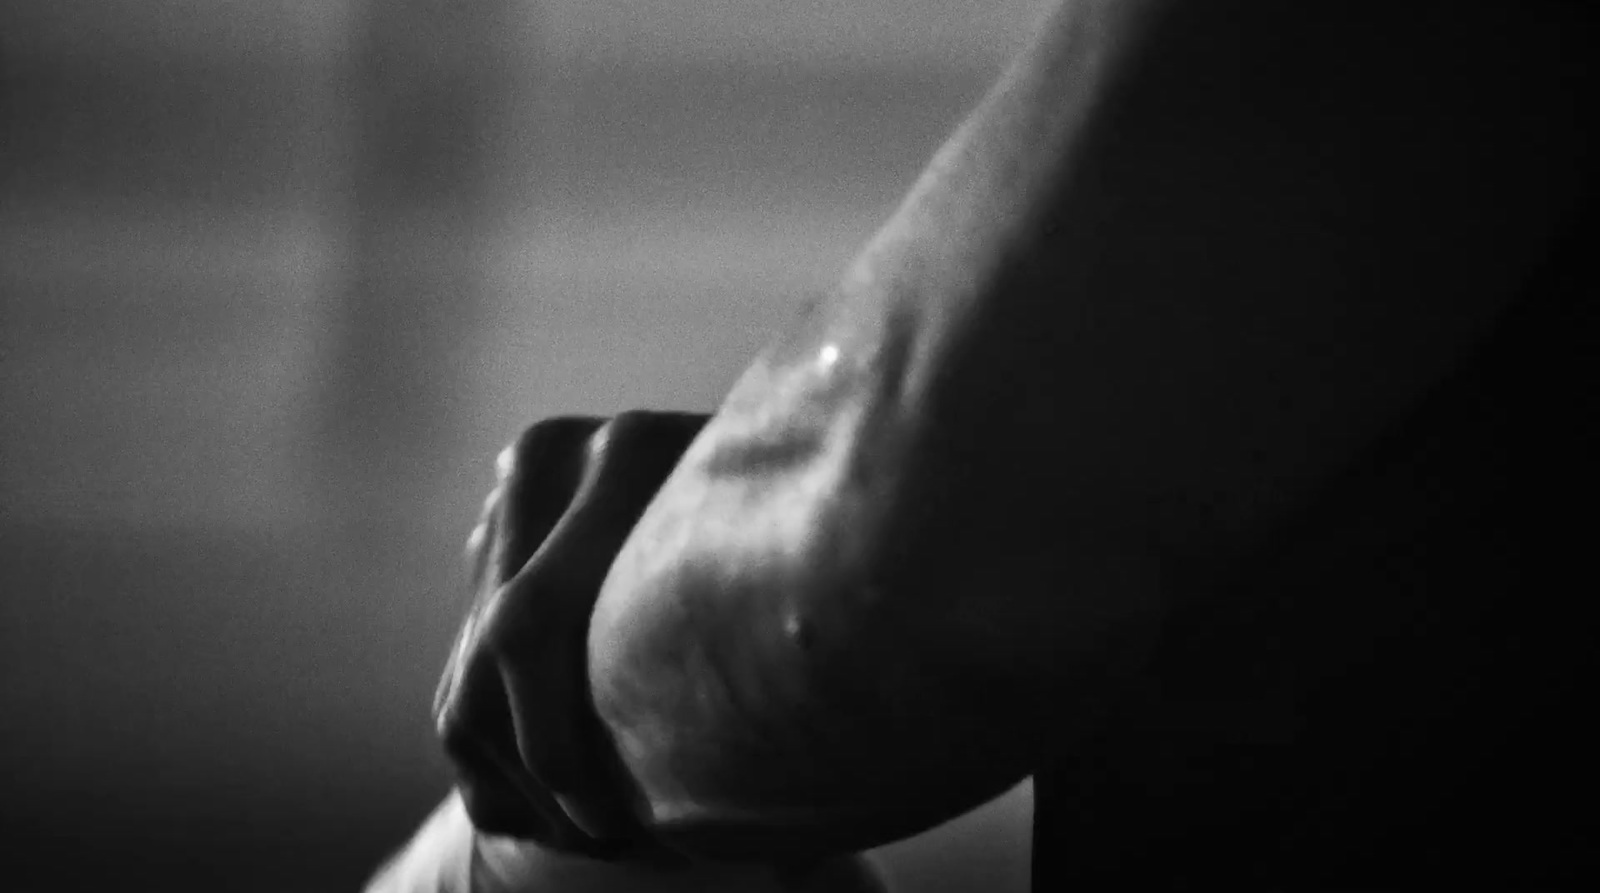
(584,474)
(539,476)
(477,542)
(653,425)
(544,438)
(647,436)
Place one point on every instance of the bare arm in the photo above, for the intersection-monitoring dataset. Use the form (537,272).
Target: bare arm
(1184,261)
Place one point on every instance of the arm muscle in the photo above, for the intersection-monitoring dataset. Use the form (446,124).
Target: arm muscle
(1183,261)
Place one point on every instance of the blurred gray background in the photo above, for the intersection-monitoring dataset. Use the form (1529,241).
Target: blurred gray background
(277,279)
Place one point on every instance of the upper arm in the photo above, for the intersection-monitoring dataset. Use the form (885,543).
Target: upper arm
(1172,290)
(1184,263)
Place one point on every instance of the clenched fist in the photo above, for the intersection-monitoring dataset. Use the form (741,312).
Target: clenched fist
(513,708)
(540,804)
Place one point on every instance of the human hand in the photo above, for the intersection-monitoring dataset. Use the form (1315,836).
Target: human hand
(513,708)
(537,795)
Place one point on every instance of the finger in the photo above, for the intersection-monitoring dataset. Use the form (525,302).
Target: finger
(481,542)
(483,547)
(540,474)
(624,464)
(535,478)
(517,719)
(544,633)
(475,729)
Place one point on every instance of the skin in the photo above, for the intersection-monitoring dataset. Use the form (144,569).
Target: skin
(545,812)
(1182,264)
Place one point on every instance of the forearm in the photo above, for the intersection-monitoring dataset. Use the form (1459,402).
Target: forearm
(1123,291)
(811,473)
